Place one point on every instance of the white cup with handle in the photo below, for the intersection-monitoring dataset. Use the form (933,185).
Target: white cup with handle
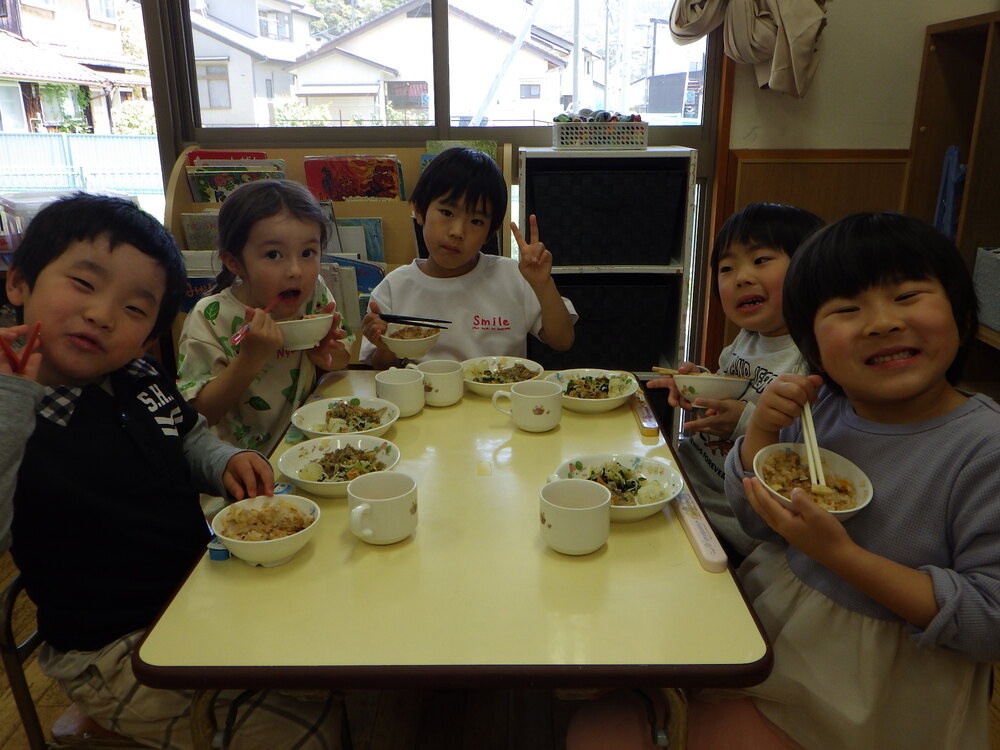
(575,515)
(444,381)
(383,506)
(535,405)
(402,386)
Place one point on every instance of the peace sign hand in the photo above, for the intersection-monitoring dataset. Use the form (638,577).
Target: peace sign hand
(536,262)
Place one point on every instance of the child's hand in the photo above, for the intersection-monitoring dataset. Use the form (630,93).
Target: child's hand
(535,264)
(248,475)
(806,526)
(373,327)
(782,401)
(262,341)
(8,367)
(675,398)
(330,353)
(719,418)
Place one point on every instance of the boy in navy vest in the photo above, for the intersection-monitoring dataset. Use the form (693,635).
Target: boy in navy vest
(102,462)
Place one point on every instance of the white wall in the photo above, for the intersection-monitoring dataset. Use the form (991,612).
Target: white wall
(865,88)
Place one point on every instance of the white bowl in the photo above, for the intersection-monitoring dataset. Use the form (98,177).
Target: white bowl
(592,405)
(469,367)
(305,333)
(834,466)
(651,468)
(270,552)
(707,385)
(295,458)
(409,348)
(311,417)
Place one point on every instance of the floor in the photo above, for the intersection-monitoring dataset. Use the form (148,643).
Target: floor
(387,720)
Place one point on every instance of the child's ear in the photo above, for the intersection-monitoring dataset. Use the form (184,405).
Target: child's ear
(17,287)
(232,264)
(417,214)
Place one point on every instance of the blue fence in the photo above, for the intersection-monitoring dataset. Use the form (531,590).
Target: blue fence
(65,161)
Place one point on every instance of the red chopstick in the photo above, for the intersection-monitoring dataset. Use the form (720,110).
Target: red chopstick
(20,361)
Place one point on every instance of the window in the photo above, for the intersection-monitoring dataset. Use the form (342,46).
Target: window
(49,4)
(12,119)
(213,85)
(103,10)
(531,91)
(275,25)
(407,94)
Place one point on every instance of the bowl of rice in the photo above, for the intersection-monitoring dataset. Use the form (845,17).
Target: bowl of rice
(409,341)
(351,415)
(782,467)
(640,485)
(323,466)
(305,332)
(486,375)
(266,531)
(706,385)
(590,390)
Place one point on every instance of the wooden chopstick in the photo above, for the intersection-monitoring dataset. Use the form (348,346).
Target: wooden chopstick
(816,475)
(411,319)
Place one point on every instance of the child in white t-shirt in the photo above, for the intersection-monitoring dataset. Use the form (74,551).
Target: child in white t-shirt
(493,302)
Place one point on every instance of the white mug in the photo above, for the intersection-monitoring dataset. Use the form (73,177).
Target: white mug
(535,405)
(405,388)
(575,515)
(383,506)
(444,381)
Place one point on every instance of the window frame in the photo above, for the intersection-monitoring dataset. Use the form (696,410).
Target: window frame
(96,11)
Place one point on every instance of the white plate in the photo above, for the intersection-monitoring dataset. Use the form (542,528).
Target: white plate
(312,415)
(291,462)
(591,405)
(495,363)
(651,468)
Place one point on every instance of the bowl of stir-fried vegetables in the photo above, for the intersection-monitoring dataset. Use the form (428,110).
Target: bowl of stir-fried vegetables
(323,466)
(350,415)
(486,375)
(640,485)
(591,390)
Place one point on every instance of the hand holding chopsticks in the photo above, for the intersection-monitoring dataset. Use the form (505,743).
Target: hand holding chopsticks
(237,337)
(816,476)
(19,360)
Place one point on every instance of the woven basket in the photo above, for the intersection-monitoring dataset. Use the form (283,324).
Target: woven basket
(600,135)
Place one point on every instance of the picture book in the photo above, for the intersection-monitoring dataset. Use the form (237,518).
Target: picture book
(360,177)
(368,274)
(372,227)
(211,153)
(214,184)
(277,165)
(201,230)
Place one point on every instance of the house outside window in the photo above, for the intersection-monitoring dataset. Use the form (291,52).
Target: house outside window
(12,119)
(274,25)
(213,85)
(407,94)
(47,4)
(103,10)
(531,91)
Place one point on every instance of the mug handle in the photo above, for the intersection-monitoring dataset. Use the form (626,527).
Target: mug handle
(357,520)
(502,394)
(411,366)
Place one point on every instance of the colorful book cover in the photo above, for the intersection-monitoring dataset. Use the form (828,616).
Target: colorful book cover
(368,274)
(487,147)
(211,153)
(372,226)
(201,230)
(362,177)
(215,186)
(277,165)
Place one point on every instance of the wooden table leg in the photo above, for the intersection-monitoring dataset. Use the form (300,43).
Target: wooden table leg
(203,726)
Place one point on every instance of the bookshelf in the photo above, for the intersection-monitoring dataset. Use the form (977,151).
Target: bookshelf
(958,104)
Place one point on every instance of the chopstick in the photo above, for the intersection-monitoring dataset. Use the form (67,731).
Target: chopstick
(668,371)
(816,475)
(240,334)
(19,361)
(412,320)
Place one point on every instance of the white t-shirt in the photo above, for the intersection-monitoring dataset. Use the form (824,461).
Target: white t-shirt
(492,308)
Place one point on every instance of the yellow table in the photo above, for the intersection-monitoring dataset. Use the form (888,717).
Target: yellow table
(474,597)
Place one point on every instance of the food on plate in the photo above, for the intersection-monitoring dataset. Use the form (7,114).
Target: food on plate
(601,386)
(412,332)
(271,521)
(350,416)
(785,471)
(343,464)
(628,487)
(513,374)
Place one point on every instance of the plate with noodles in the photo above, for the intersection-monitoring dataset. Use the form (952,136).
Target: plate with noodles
(350,415)
(324,466)
(486,375)
(640,486)
(591,390)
